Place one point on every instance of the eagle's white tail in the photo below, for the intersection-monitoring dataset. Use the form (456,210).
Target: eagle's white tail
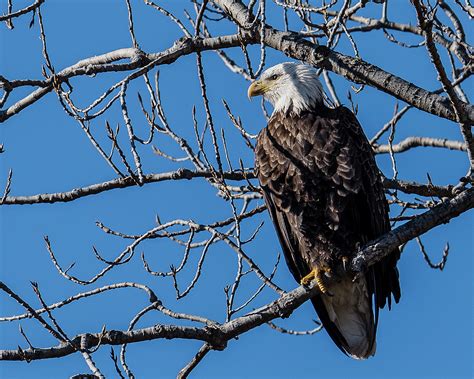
(350,311)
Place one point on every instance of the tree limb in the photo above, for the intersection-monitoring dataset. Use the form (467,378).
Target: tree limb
(353,69)
(410,142)
(217,335)
(185,174)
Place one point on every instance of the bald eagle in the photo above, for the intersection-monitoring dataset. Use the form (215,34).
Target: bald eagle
(323,191)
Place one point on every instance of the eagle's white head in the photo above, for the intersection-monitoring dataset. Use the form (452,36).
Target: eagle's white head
(289,86)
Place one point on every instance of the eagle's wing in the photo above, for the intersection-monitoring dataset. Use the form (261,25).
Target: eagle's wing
(368,213)
(320,181)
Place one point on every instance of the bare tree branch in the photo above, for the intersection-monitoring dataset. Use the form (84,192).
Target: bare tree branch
(352,69)
(21,12)
(411,142)
(218,335)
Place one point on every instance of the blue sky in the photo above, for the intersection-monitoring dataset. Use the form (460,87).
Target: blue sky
(427,335)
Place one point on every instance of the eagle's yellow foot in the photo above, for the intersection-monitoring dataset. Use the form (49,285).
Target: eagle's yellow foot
(309,278)
(317,274)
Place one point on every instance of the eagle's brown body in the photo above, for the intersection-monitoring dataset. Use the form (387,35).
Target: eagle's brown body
(325,197)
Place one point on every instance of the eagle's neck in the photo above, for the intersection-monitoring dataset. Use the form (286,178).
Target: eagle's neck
(296,110)
(298,96)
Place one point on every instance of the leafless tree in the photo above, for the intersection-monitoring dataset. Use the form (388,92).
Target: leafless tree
(310,31)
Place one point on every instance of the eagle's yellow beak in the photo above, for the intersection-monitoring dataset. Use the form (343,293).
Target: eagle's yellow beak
(257,88)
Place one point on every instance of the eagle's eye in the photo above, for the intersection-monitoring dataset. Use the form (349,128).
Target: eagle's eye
(274,77)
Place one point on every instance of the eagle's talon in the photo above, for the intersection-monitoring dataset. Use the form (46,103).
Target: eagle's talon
(308,278)
(317,274)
